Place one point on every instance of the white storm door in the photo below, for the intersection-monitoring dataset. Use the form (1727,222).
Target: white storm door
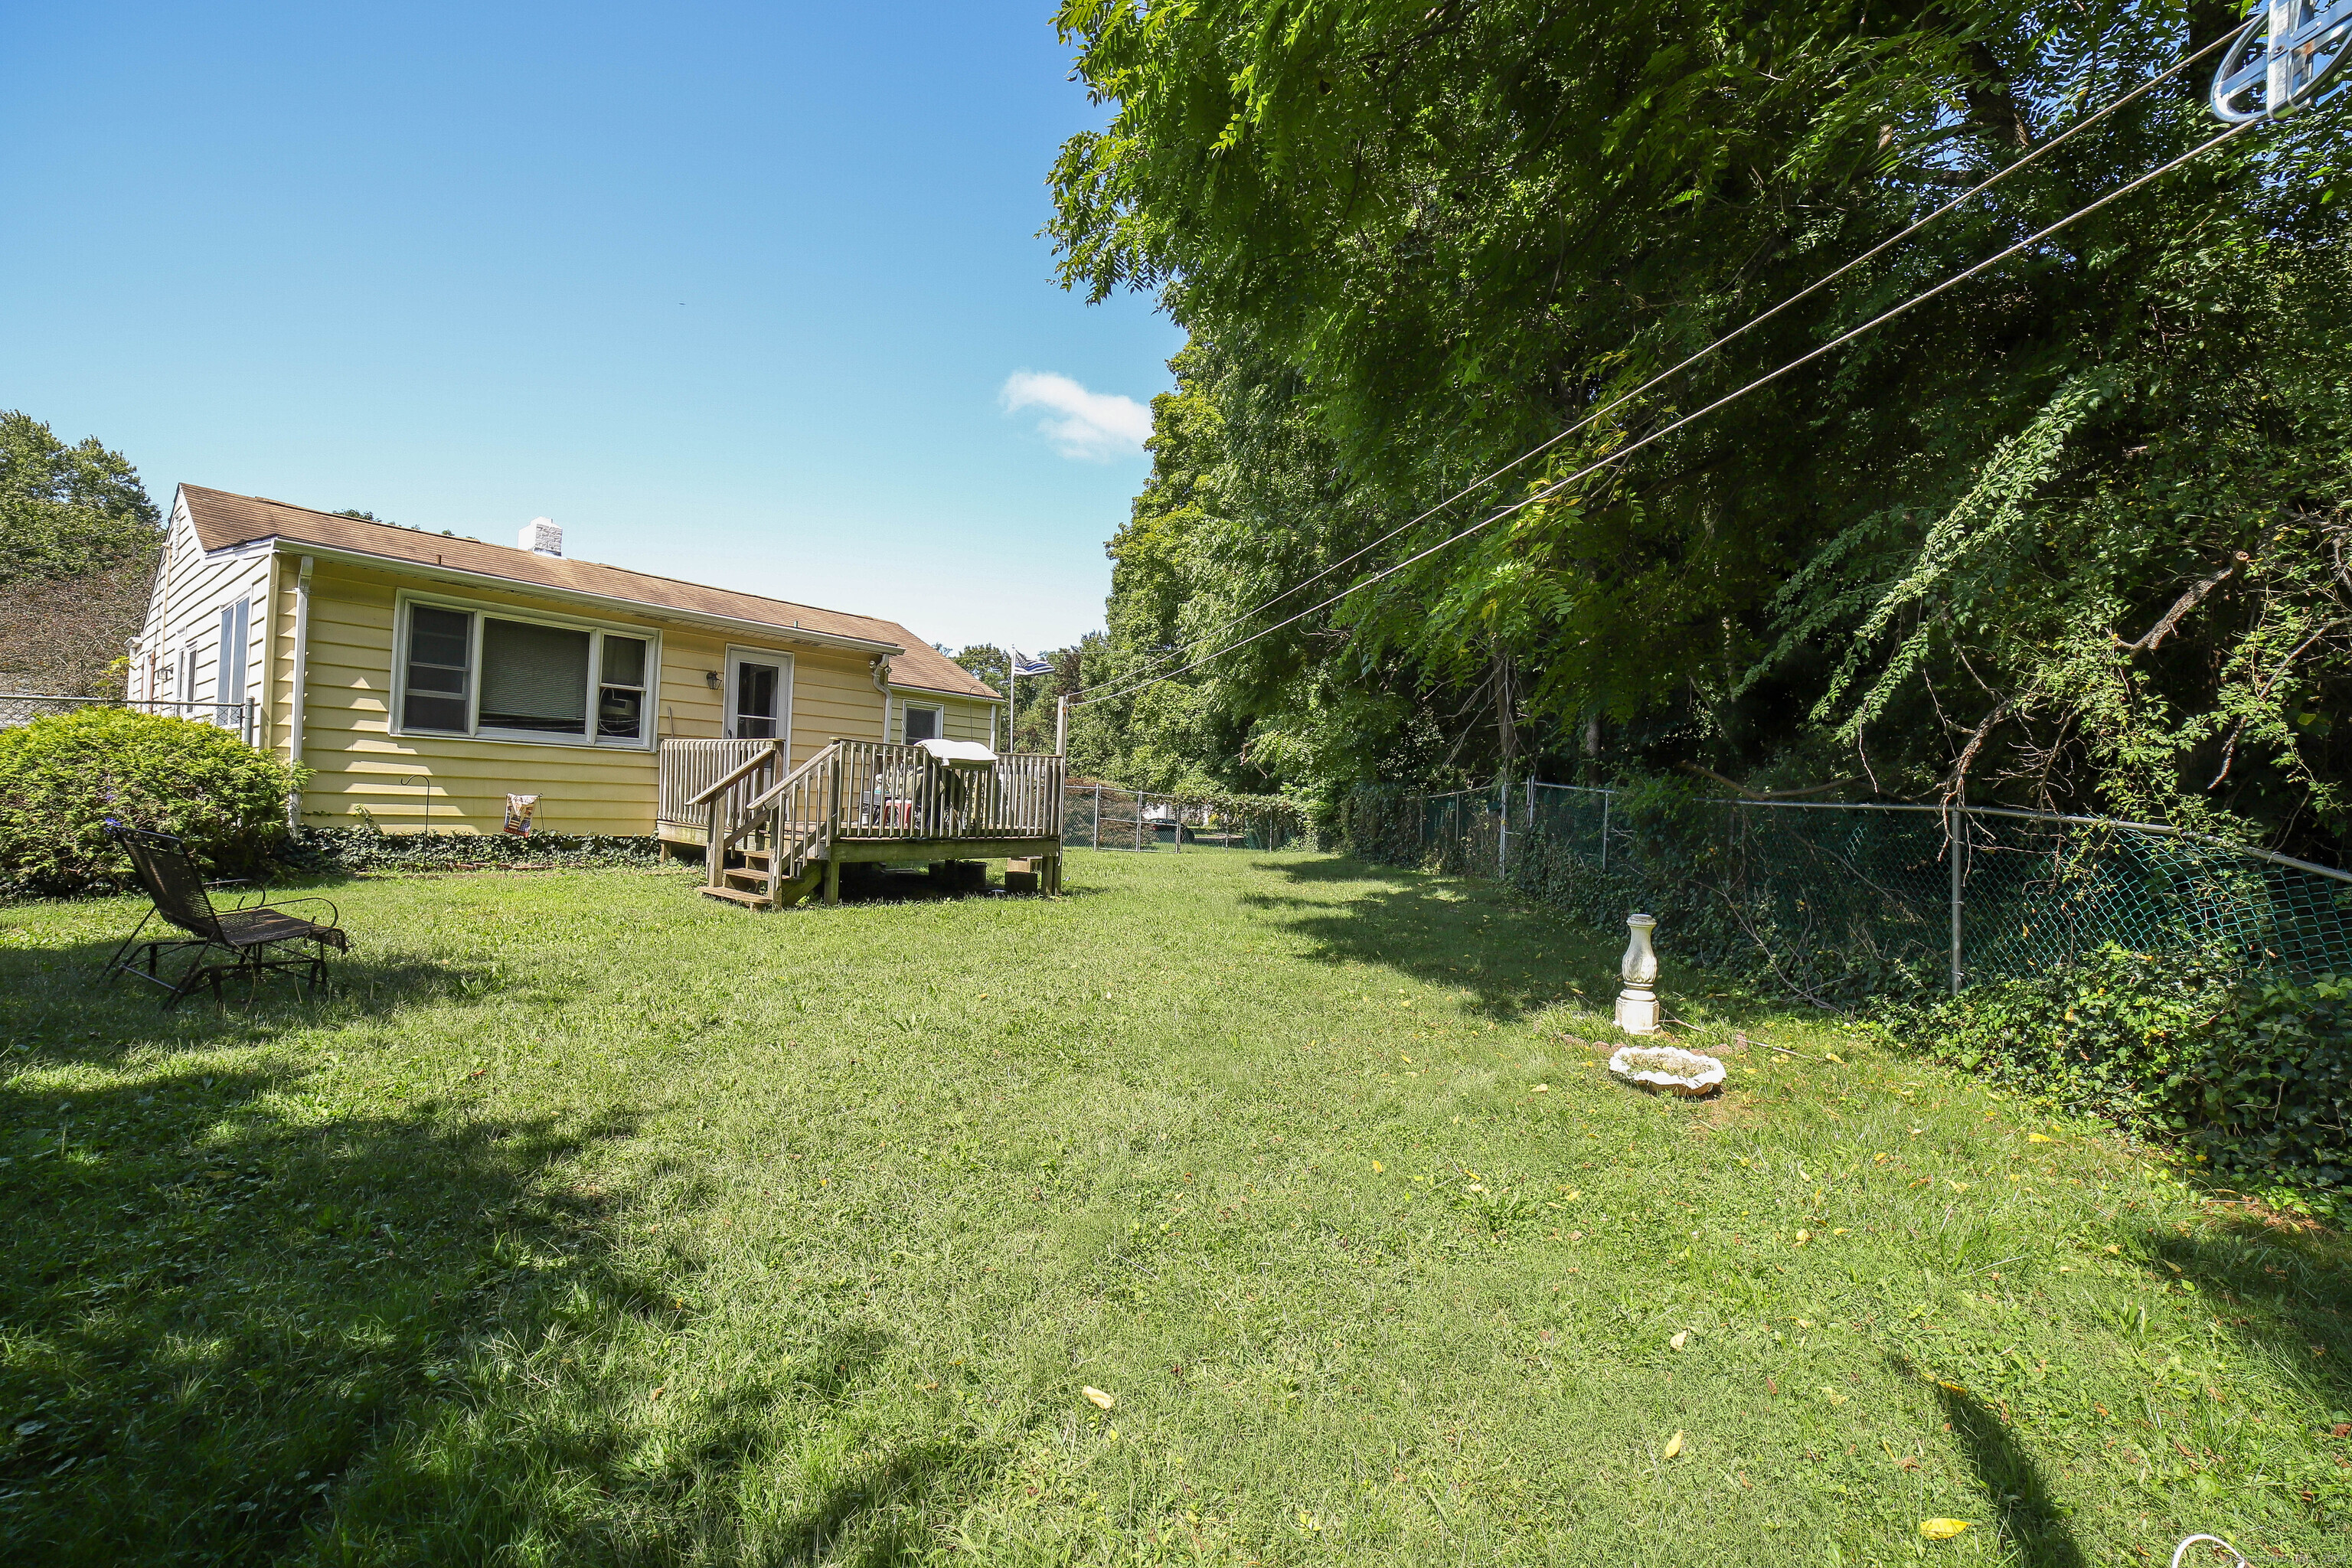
(759,695)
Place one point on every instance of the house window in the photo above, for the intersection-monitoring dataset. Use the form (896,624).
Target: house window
(922,723)
(534,678)
(440,645)
(468,672)
(621,693)
(229,671)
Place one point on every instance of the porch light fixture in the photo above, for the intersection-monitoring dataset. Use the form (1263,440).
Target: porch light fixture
(711,679)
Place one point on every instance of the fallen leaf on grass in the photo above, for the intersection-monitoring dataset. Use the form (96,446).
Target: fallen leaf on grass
(1097,1398)
(1680,1340)
(1835,1057)
(1673,1445)
(1540,1089)
(1378,1167)
(1833,1396)
(2038,1138)
(1942,1529)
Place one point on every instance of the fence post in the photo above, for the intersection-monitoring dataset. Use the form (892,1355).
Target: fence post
(1139,819)
(1605,798)
(1502,823)
(1097,844)
(1955,824)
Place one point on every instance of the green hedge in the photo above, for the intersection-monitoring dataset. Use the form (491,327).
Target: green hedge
(2252,1073)
(363,850)
(63,776)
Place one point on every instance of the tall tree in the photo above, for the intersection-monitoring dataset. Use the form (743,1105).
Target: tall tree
(2065,533)
(79,539)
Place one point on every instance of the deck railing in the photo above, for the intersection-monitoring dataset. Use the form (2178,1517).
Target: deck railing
(689,768)
(864,790)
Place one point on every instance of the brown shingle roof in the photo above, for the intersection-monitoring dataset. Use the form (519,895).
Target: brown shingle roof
(224,519)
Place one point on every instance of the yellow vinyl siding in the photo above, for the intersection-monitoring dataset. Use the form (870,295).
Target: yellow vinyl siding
(960,717)
(965,720)
(359,763)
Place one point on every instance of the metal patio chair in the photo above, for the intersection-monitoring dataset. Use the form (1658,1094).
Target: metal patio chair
(253,940)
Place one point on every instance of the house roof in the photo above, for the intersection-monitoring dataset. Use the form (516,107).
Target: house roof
(224,519)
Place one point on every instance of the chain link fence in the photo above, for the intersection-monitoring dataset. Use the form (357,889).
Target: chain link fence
(1839,901)
(1102,816)
(23,707)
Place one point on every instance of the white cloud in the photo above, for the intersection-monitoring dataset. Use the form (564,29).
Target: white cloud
(1094,427)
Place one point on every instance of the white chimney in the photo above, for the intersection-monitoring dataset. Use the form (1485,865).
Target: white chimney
(541,537)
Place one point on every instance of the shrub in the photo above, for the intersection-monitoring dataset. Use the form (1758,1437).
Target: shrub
(364,849)
(62,776)
(2255,1073)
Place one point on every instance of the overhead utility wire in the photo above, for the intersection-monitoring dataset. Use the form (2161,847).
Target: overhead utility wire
(1623,452)
(1728,338)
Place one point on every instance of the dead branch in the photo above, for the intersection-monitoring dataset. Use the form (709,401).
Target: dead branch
(2193,596)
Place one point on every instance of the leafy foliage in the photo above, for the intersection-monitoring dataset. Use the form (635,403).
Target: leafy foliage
(364,849)
(2071,534)
(65,511)
(61,777)
(79,539)
(2256,1076)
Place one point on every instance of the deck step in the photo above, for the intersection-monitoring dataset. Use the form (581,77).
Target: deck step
(751,876)
(735,895)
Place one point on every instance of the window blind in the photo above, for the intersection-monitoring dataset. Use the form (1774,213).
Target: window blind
(534,678)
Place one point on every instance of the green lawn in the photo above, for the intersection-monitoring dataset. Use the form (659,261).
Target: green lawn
(591,1221)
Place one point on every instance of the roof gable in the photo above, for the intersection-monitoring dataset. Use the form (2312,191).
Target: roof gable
(222,519)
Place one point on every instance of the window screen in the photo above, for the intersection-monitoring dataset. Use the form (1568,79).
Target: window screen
(755,702)
(439,642)
(534,678)
(621,694)
(922,724)
(228,682)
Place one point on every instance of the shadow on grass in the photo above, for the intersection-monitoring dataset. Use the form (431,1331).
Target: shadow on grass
(261,1307)
(2031,1520)
(221,1290)
(2277,1283)
(1513,958)
(881,1509)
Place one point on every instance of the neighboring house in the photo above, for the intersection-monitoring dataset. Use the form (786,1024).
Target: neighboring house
(424,678)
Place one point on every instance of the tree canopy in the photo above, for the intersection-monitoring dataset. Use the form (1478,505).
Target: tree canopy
(2070,532)
(79,539)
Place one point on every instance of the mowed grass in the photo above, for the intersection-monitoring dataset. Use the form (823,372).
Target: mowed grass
(593,1222)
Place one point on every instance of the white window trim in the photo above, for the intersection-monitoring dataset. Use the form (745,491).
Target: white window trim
(937,710)
(478,608)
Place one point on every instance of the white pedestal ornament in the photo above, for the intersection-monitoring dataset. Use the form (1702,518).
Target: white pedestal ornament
(1637,1005)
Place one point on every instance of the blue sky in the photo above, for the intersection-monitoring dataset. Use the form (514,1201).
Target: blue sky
(749,295)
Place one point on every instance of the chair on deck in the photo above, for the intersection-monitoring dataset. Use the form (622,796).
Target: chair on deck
(253,940)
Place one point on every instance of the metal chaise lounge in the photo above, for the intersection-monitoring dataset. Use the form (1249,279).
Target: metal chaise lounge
(252,939)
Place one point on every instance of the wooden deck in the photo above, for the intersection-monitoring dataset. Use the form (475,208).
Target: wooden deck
(769,841)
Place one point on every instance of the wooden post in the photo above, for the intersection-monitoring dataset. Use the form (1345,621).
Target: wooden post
(1098,837)
(833,877)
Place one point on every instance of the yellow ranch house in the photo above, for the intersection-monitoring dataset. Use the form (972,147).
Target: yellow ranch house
(425,679)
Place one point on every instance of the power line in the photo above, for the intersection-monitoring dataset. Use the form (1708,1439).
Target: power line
(1728,338)
(1623,452)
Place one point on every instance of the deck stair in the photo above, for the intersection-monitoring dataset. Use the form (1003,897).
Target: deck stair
(771,841)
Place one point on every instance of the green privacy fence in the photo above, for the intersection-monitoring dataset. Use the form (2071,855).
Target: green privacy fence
(1838,901)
